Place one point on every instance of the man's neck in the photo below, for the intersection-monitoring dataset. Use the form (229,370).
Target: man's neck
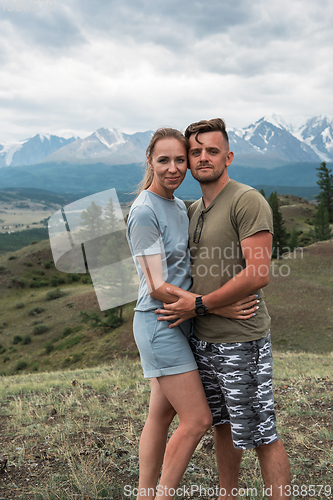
(212,189)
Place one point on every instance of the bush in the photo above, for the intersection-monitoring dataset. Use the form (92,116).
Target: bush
(48,264)
(5,359)
(86,279)
(49,347)
(12,257)
(19,282)
(34,283)
(26,340)
(17,339)
(39,329)
(36,310)
(34,367)
(21,365)
(57,280)
(73,277)
(76,357)
(2,349)
(28,264)
(113,319)
(68,343)
(19,305)
(39,272)
(67,331)
(54,294)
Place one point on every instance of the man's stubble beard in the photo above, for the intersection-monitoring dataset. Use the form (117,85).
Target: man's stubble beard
(207,180)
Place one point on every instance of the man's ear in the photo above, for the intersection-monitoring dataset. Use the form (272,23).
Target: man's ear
(230,157)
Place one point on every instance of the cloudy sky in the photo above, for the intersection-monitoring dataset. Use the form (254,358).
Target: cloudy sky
(73,67)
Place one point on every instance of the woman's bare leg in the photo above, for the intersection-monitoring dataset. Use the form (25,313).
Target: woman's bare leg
(186,395)
(153,441)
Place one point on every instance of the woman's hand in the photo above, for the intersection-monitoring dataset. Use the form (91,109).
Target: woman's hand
(243,309)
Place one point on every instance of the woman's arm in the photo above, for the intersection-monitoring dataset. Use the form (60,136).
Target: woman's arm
(151,266)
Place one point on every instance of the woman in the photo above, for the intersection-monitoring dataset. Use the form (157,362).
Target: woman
(157,231)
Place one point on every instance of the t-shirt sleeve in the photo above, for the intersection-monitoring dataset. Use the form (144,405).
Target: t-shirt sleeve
(143,232)
(252,214)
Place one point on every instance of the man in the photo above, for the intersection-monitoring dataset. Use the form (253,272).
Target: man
(230,238)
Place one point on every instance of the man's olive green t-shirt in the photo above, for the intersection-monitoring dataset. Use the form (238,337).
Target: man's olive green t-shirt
(237,212)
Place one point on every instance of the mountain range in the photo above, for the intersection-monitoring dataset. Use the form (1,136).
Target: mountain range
(31,151)
(267,143)
(269,154)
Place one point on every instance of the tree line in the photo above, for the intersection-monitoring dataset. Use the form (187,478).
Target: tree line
(324,215)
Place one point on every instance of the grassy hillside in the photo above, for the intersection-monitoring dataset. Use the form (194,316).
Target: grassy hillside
(299,299)
(298,214)
(27,277)
(75,434)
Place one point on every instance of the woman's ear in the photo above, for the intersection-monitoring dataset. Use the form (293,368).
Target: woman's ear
(150,164)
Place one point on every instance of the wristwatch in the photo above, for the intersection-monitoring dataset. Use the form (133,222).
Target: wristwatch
(200,308)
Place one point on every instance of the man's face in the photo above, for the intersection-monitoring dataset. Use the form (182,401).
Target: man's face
(208,160)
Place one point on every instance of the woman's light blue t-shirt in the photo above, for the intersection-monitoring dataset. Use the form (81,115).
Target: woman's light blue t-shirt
(158,225)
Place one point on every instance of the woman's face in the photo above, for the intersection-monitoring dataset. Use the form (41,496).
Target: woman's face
(169,163)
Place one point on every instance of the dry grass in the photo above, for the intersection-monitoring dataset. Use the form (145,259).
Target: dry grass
(80,441)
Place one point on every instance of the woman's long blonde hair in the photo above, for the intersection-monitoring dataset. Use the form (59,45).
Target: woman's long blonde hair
(161,133)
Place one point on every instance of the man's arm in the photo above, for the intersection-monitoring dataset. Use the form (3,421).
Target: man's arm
(257,251)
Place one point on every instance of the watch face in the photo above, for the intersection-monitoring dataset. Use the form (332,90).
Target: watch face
(201,311)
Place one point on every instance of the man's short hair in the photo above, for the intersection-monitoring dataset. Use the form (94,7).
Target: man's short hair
(213,125)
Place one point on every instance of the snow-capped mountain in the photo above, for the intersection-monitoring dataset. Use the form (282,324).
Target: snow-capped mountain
(31,150)
(106,145)
(272,139)
(267,143)
(318,134)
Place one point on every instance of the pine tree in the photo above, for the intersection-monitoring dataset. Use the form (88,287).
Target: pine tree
(91,222)
(293,242)
(325,182)
(262,192)
(280,235)
(110,218)
(322,230)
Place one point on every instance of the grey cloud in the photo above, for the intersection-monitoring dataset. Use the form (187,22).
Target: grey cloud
(54,31)
(138,64)
(171,24)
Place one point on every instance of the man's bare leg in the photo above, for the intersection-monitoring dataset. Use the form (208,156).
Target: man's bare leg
(228,461)
(275,469)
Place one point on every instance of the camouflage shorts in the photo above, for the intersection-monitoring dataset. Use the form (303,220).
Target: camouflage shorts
(237,378)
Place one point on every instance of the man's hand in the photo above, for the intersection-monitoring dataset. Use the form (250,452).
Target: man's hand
(243,309)
(179,311)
